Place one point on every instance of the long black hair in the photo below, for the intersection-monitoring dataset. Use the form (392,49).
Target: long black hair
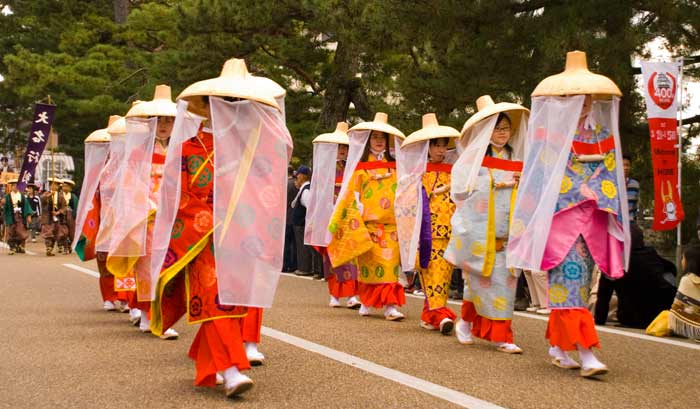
(691,254)
(501,116)
(387,153)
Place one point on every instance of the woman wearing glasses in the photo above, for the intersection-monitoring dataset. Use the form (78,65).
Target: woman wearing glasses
(484,186)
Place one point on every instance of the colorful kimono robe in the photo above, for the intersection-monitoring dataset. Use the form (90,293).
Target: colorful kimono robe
(579,238)
(85,247)
(363,227)
(187,283)
(342,280)
(480,233)
(135,272)
(15,213)
(435,279)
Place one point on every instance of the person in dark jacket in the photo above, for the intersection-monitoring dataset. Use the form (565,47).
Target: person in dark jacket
(298,205)
(289,264)
(645,290)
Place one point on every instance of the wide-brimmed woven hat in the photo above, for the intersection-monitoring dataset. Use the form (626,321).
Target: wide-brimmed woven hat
(54,180)
(432,130)
(68,182)
(339,136)
(576,80)
(381,124)
(161,105)
(102,135)
(99,136)
(235,82)
(268,85)
(486,107)
(117,126)
(13,181)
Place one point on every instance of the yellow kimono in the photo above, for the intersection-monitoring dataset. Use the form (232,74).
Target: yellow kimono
(436,278)
(363,226)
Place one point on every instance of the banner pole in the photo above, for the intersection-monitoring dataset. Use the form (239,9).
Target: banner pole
(679,248)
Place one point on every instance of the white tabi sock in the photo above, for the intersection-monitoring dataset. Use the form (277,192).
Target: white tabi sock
(562,356)
(145,324)
(588,359)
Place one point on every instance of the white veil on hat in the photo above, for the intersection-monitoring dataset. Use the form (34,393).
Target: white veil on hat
(184,128)
(95,161)
(130,201)
(321,202)
(252,148)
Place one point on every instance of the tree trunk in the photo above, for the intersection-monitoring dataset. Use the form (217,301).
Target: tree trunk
(344,87)
(121,11)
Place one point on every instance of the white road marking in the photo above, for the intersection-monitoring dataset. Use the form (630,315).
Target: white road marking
(82,270)
(441,392)
(630,334)
(438,391)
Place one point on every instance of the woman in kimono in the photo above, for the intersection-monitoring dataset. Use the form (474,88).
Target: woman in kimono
(137,264)
(87,219)
(330,157)
(571,213)
(484,186)
(217,252)
(363,225)
(423,212)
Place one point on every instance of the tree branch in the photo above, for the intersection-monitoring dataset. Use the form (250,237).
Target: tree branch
(294,67)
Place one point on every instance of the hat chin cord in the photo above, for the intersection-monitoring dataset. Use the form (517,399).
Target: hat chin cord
(379,155)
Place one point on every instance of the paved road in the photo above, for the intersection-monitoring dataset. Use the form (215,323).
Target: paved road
(60,350)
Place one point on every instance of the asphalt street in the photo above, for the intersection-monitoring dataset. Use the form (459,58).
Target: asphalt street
(61,350)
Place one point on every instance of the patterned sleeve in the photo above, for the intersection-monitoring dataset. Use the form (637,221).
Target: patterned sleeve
(350,237)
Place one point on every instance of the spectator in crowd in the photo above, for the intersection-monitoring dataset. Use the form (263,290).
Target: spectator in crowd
(684,317)
(646,289)
(5,165)
(457,285)
(522,297)
(290,253)
(632,188)
(298,205)
(537,285)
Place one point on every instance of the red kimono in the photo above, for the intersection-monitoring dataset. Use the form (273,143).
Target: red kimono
(188,282)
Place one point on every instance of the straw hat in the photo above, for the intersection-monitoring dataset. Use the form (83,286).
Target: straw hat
(381,124)
(161,105)
(234,81)
(117,124)
(486,107)
(54,180)
(339,136)
(99,136)
(68,182)
(576,80)
(268,85)
(13,181)
(432,130)
(102,135)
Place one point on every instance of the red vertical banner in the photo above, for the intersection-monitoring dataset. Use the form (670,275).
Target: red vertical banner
(660,89)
